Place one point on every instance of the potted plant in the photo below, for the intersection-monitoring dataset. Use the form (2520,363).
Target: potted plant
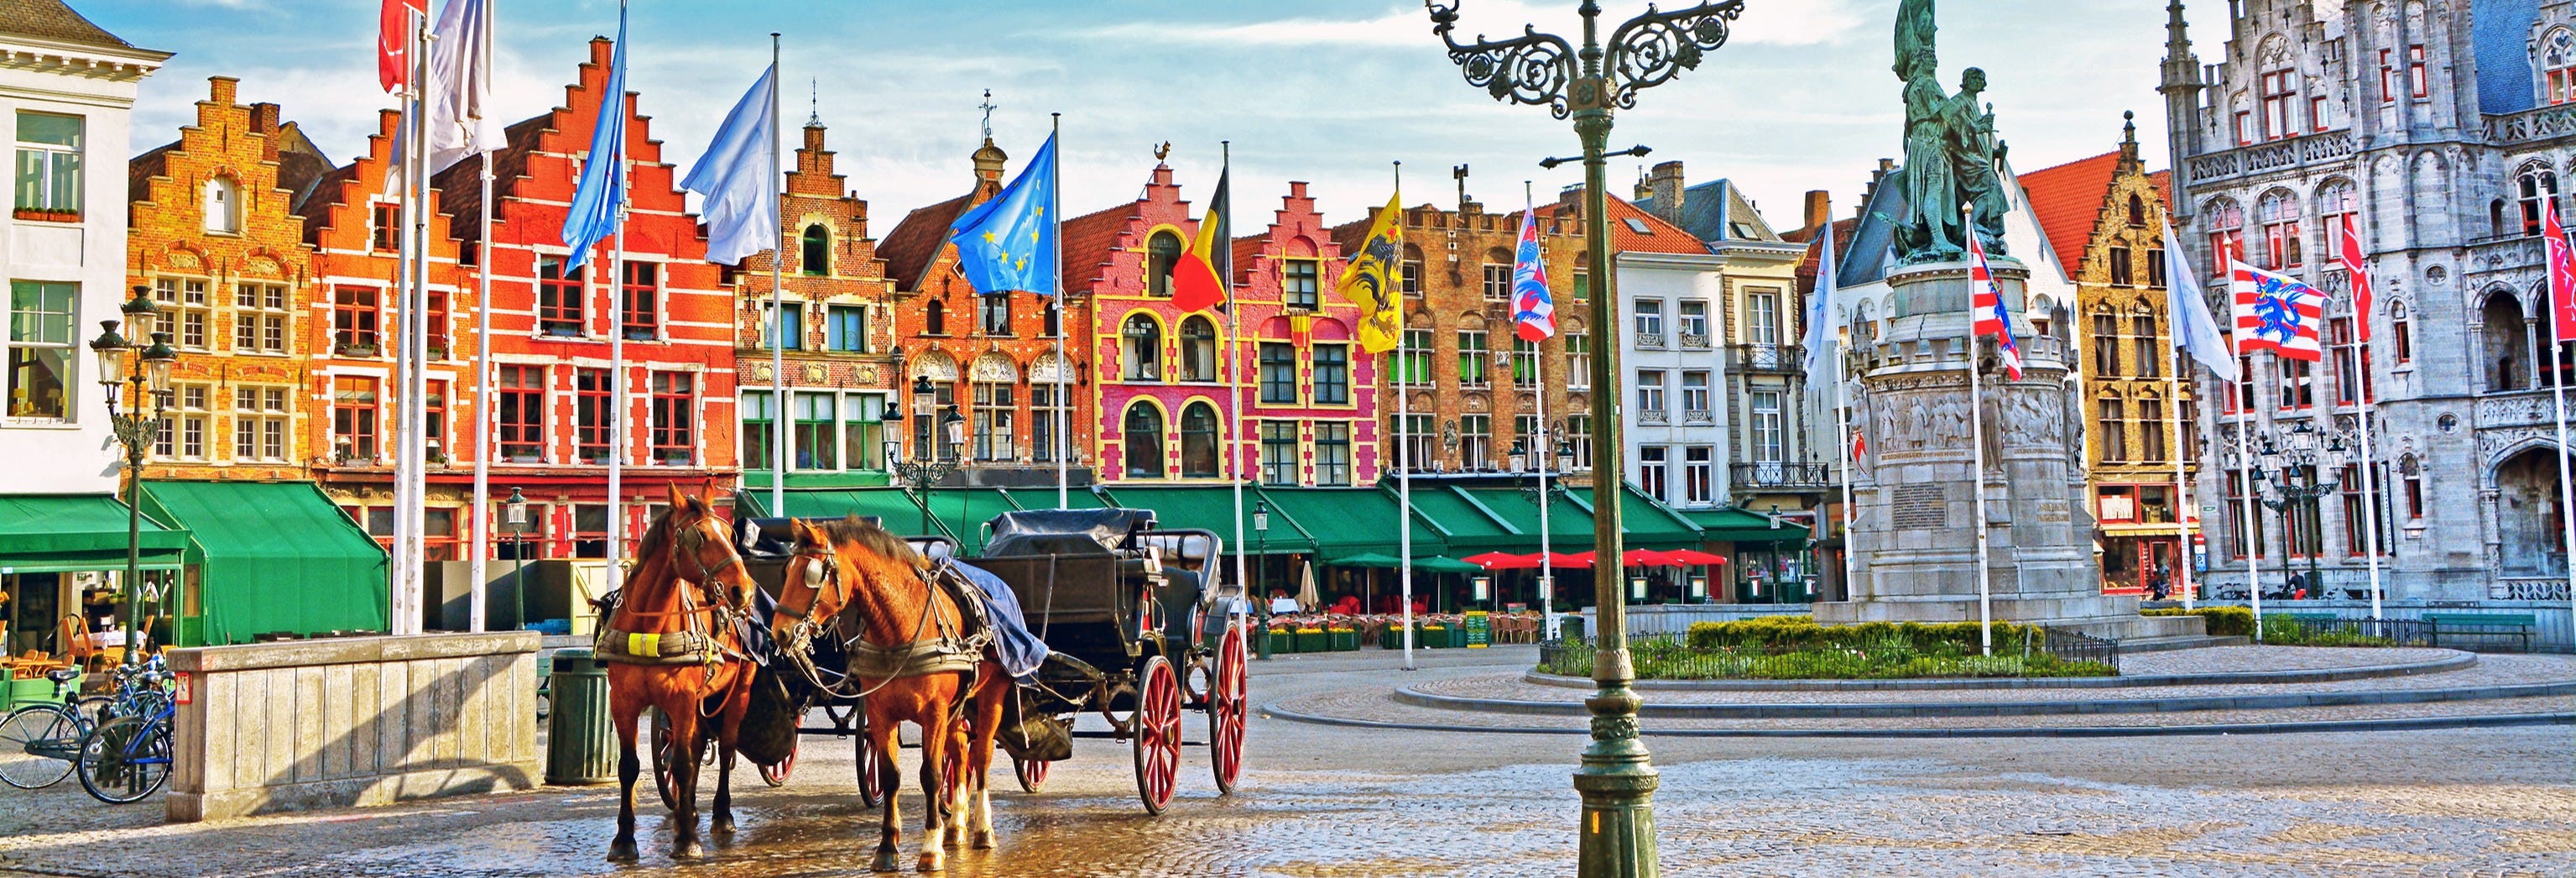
(1311,638)
(1344,635)
(1282,634)
(46,214)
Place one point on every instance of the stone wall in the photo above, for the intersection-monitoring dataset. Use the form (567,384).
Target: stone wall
(362,721)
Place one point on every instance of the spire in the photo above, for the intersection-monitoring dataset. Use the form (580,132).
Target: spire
(2181,87)
(814,116)
(2129,136)
(989,159)
(987,107)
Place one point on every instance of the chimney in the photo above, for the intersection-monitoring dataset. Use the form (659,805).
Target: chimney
(1819,208)
(263,118)
(1645,189)
(1666,181)
(224,89)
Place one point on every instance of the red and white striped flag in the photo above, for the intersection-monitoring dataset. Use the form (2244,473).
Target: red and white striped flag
(2358,275)
(393,42)
(1987,307)
(2277,312)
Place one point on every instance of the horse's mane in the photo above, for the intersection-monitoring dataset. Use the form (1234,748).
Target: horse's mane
(874,538)
(657,538)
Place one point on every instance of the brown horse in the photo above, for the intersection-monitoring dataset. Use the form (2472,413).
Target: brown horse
(687,584)
(852,574)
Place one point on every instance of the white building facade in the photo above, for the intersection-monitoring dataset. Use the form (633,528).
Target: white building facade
(67,89)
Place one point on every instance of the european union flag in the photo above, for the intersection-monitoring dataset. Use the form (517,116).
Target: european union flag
(1009,243)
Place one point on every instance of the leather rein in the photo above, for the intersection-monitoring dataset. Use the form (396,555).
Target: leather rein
(798,646)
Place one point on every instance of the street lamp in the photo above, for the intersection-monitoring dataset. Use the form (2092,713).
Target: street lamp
(1261,549)
(514,512)
(927,467)
(2293,474)
(1520,455)
(150,377)
(1617,780)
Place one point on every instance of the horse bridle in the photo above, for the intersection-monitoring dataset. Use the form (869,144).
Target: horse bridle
(686,547)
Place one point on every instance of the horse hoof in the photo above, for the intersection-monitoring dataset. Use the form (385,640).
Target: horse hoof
(622,851)
(983,841)
(885,862)
(687,850)
(931,863)
(721,825)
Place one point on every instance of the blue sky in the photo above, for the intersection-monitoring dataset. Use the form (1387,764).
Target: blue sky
(1326,91)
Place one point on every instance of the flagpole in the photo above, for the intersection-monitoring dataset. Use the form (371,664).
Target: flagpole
(1544,453)
(2246,489)
(398,342)
(617,372)
(1404,417)
(1977,450)
(2558,390)
(411,470)
(484,377)
(1842,400)
(2356,281)
(1233,355)
(778,397)
(1063,359)
(2182,481)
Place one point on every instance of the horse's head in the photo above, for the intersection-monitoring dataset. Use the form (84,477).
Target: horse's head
(702,551)
(833,564)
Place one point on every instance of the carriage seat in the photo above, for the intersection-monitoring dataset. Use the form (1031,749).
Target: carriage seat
(1179,597)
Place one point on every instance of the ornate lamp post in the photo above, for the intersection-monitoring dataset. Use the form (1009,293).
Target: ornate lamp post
(2293,474)
(1261,543)
(1617,780)
(514,512)
(927,467)
(150,377)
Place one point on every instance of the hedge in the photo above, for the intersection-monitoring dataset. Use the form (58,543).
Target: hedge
(1802,631)
(2217,621)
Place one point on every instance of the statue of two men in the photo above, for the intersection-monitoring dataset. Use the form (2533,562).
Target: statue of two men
(1951,150)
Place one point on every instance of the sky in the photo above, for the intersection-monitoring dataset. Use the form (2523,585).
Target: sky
(1331,92)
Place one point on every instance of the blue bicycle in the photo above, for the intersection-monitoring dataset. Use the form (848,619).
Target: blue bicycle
(38,742)
(129,757)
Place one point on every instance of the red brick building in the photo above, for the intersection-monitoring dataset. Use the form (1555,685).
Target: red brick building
(1162,391)
(552,329)
(355,231)
(993,357)
(214,233)
(839,352)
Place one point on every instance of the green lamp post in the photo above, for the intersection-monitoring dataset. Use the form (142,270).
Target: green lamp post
(149,377)
(1617,780)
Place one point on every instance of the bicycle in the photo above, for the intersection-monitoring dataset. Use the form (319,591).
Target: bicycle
(129,757)
(37,741)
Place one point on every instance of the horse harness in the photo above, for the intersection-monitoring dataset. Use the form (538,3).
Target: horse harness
(957,647)
(696,644)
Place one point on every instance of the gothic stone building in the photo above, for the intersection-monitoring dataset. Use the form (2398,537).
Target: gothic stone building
(2445,127)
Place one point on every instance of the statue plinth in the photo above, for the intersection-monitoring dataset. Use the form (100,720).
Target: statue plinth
(1914,545)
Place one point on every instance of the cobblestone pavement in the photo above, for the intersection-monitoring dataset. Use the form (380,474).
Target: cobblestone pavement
(2223,659)
(1332,801)
(2491,670)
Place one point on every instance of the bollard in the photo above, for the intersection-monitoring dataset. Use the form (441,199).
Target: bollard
(580,747)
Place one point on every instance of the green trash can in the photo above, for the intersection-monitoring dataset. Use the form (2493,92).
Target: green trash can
(580,746)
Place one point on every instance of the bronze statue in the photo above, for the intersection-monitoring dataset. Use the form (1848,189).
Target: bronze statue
(1950,150)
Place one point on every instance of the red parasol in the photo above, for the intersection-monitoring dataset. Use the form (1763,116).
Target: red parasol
(1690,557)
(1634,557)
(1503,561)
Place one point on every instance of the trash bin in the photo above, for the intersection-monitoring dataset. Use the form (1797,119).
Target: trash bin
(580,747)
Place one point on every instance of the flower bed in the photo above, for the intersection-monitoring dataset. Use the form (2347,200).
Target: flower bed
(1668,659)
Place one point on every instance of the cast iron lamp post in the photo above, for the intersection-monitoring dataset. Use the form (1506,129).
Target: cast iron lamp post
(1617,780)
(514,512)
(2292,474)
(150,376)
(1261,542)
(927,468)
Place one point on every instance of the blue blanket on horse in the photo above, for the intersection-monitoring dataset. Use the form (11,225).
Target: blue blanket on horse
(1018,651)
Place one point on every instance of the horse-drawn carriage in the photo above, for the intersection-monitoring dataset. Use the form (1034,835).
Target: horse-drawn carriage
(1129,627)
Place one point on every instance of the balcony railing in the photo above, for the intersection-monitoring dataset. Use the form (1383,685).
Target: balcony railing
(1649,340)
(1652,416)
(1695,340)
(1791,476)
(1767,358)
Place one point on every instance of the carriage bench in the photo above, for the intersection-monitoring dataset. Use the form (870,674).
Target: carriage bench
(2502,625)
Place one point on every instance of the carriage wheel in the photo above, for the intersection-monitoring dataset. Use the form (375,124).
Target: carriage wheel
(1032,772)
(1227,700)
(776,775)
(1158,734)
(662,757)
(871,788)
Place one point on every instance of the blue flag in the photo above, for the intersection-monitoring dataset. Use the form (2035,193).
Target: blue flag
(1009,243)
(593,214)
(736,177)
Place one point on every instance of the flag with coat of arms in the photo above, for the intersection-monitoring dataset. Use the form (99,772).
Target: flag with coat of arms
(1533,310)
(1986,307)
(2277,313)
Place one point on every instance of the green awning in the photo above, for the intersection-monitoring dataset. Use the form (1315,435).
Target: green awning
(274,556)
(1349,521)
(63,533)
(965,510)
(1646,523)
(1731,525)
(893,507)
(1569,526)
(1467,526)
(1425,563)
(1211,507)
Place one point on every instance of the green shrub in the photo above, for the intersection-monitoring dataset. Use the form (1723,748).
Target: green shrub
(2217,621)
(1802,631)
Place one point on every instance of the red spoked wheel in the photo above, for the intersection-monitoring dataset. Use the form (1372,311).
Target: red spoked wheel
(1158,734)
(776,775)
(1032,773)
(871,787)
(1228,700)
(662,757)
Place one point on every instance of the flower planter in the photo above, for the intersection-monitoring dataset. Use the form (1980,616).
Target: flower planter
(1282,640)
(1344,639)
(1311,640)
(1433,637)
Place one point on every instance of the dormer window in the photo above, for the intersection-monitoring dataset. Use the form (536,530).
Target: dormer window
(2558,66)
(223,206)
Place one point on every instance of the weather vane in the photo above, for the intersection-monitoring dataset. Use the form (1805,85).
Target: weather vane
(814,116)
(1163,151)
(987,107)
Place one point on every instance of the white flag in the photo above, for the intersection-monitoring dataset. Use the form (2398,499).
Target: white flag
(735,176)
(2194,329)
(460,85)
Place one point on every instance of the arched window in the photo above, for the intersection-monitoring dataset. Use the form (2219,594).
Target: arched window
(1144,349)
(1864,325)
(1144,441)
(1054,318)
(2495,218)
(2226,222)
(2558,61)
(2336,200)
(1198,350)
(223,206)
(1161,253)
(2508,350)
(2137,211)
(935,320)
(2536,186)
(818,250)
(2401,337)
(2278,212)
(1198,441)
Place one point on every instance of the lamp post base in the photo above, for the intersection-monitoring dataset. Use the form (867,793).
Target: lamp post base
(1617,782)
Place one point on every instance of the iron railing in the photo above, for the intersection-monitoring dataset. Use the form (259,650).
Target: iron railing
(2070,645)
(1817,476)
(1768,358)
(2292,629)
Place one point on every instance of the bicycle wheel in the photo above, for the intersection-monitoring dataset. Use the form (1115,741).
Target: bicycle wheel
(125,760)
(36,745)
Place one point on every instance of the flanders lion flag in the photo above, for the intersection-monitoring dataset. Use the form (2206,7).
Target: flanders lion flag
(1373,282)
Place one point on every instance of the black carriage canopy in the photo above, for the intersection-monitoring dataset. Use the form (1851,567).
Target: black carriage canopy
(1066,531)
(774,538)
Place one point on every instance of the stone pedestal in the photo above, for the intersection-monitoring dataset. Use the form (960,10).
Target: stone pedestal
(1914,545)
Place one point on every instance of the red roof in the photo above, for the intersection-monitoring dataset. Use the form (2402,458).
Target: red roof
(1087,240)
(2068,201)
(1659,236)
(917,243)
